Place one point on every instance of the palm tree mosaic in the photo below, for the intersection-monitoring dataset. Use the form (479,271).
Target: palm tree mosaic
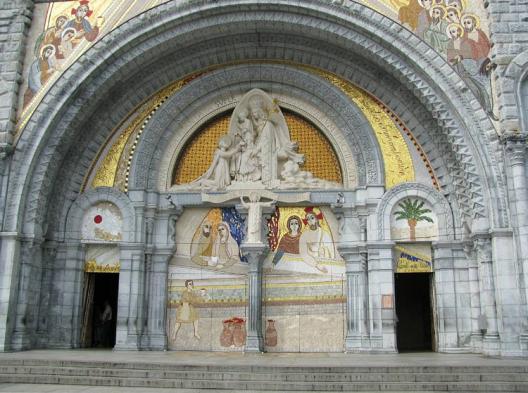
(413,211)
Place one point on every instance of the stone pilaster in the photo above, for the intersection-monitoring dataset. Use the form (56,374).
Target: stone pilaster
(452,297)
(381,282)
(255,254)
(49,254)
(65,316)
(515,154)
(9,254)
(357,334)
(488,309)
(157,299)
(511,315)
(474,289)
(28,294)
(131,275)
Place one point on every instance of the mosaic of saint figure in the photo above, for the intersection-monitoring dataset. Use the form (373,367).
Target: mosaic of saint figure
(216,241)
(302,241)
(454,31)
(186,311)
(54,45)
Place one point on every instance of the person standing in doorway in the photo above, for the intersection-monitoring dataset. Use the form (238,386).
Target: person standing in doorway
(106,323)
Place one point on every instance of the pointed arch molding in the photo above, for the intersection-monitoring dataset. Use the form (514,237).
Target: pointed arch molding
(446,226)
(136,47)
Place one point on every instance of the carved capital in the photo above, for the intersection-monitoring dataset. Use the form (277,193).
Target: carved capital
(515,146)
(482,248)
(6,150)
(255,254)
(177,209)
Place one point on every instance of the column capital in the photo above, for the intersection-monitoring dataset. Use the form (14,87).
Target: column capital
(515,146)
(176,210)
(255,254)
(482,247)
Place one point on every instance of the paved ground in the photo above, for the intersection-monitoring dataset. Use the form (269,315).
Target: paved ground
(235,359)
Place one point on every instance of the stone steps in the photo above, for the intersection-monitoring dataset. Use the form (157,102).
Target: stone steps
(266,378)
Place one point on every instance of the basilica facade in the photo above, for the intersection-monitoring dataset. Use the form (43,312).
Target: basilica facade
(264,176)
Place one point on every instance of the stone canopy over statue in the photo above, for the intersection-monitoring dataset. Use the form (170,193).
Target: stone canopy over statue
(257,152)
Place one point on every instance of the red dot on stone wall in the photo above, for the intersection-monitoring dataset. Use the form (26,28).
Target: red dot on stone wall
(98,219)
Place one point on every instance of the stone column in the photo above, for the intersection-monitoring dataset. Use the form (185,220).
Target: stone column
(515,154)
(48,264)
(255,254)
(488,316)
(65,310)
(474,290)
(131,276)
(356,339)
(511,313)
(157,310)
(446,298)
(28,295)
(381,282)
(351,246)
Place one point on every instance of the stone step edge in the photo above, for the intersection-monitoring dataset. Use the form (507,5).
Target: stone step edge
(142,382)
(242,376)
(257,368)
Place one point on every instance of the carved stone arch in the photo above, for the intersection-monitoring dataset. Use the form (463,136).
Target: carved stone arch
(136,45)
(343,124)
(516,76)
(442,209)
(72,227)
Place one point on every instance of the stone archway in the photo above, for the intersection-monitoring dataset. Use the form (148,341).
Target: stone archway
(102,78)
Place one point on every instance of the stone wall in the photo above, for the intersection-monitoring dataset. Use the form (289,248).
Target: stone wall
(15,19)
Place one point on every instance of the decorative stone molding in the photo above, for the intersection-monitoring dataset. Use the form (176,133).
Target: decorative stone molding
(446,228)
(515,147)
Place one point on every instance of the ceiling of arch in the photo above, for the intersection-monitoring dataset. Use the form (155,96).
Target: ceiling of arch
(60,34)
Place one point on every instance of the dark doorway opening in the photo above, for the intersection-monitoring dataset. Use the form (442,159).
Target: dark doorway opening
(100,306)
(414,330)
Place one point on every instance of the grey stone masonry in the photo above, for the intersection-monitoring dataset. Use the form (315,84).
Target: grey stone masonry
(15,19)
(508,24)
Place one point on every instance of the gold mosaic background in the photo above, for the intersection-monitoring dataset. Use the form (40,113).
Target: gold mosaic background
(320,158)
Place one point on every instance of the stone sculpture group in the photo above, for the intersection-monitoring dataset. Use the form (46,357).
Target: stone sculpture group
(257,152)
